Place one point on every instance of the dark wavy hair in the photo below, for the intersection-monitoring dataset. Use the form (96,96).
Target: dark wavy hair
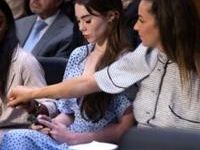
(7,46)
(94,106)
(179,26)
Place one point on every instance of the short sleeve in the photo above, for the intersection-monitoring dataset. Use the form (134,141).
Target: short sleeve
(66,106)
(129,69)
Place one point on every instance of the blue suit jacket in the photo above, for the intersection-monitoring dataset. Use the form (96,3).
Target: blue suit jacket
(57,41)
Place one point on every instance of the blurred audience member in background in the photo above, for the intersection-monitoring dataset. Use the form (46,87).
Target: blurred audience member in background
(48,33)
(17,68)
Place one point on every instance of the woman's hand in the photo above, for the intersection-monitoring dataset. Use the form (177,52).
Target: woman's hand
(58,130)
(19,95)
(40,128)
(61,133)
(40,124)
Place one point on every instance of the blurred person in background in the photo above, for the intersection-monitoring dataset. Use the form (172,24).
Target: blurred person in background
(49,32)
(17,68)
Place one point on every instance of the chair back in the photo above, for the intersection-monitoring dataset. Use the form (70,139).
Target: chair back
(160,139)
(54,69)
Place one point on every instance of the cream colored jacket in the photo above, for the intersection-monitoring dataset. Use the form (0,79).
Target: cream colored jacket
(24,70)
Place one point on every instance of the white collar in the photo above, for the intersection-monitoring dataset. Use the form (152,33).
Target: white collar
(50,19)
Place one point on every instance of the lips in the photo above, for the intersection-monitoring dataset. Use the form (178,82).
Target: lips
(86,36)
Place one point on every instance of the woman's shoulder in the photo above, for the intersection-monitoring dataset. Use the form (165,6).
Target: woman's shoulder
(80,53)
(84,49)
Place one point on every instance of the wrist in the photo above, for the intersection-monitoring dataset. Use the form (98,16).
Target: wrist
(34,93)
(73,139)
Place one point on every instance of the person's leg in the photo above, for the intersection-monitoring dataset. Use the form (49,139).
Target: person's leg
(29,140)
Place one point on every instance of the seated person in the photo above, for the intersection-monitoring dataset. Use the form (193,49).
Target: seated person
(169,87)
(47,33)
(92,117)
(17,68)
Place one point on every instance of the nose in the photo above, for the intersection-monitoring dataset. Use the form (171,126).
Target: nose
(82,27)
(136,26)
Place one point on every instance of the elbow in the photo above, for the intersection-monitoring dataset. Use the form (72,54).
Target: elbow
(89,84)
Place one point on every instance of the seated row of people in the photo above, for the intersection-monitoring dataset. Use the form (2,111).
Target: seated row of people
(119,110)
(165,68)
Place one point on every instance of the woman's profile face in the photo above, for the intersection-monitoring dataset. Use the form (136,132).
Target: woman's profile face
(2,26)
(93,28)
(146,25)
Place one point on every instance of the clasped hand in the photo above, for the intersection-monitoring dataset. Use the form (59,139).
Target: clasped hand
(53,128)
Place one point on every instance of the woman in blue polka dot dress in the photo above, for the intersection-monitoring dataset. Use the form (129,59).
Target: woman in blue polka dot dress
(96,116)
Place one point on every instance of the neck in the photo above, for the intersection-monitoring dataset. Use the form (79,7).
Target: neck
(47,15)
(160,48)
(101,46)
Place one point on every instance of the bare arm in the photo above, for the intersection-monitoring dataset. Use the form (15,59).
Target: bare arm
(75,87)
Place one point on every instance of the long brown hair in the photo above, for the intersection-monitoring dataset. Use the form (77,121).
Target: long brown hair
(94,106)
(7,46)
(179,26)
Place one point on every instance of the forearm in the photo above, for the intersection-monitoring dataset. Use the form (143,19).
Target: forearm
(68,88)
(111,133)
(108,134)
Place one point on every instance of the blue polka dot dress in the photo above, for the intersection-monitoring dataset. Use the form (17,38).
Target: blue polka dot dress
(25,139)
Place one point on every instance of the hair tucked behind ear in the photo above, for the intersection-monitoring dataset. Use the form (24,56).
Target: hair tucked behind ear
(7,46)
(94,106)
